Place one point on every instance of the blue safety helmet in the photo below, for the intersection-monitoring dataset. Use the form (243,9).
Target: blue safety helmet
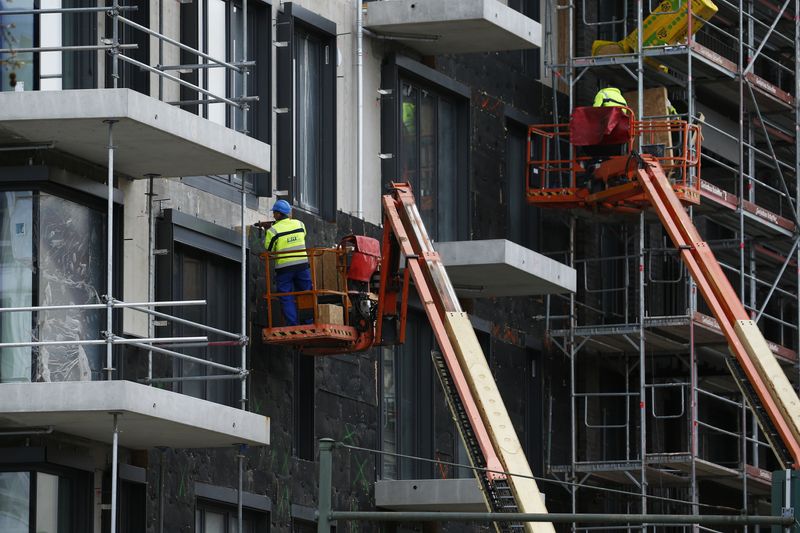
(282,207)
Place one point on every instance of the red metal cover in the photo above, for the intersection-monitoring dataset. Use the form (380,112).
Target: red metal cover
(365,258)
(591,126)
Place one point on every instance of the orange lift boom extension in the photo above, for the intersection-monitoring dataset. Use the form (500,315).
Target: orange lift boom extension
(745,340)
(491,427)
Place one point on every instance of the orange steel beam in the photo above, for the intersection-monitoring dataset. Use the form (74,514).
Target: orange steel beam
(396,218)
(714,286)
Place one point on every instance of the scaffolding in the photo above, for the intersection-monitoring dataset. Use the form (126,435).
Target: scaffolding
(659,421)
(112,44)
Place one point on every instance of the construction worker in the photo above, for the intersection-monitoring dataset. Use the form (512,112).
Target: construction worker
(292,272)
(609,97)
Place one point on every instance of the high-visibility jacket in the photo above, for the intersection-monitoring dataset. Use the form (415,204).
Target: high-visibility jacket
(285,235)
(409,116)
(609,97)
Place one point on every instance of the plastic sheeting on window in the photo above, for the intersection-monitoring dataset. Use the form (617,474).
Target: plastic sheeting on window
(15,502)
(72,269)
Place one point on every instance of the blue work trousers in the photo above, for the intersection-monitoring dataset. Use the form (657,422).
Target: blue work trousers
(292,280)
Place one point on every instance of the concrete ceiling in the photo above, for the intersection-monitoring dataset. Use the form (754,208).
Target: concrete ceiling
(490,268)
(149,416)
(150,136)
(453,26)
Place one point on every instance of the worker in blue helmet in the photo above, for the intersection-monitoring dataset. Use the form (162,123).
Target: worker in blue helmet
(292,272)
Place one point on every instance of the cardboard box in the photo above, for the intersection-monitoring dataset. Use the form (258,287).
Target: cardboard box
(660,29)
(327,271)
(655,105)
(330,314)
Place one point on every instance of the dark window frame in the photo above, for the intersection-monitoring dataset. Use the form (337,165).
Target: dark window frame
(260,517)
(228,186)
(73,63)
(421,378)
(82,521)
(524,230)
(293,20)
(179,233)
(529,59)
(396,69)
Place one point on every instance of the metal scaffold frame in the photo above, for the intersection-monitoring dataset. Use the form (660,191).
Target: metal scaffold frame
(757,258)
(153,344)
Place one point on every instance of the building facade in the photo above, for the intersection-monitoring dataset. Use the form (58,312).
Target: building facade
(140,143)
(270,108)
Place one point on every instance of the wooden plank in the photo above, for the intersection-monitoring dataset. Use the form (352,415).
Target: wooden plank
(493,412)
(771,372)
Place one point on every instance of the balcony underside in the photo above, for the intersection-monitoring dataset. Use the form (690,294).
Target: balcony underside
(149,416)
(437,27)
(150,136)
(491,268)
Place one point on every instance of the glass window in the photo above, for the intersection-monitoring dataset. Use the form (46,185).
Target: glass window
(204,276)
(309,61)
(17,32)
(16,282)
(56,70)
(216,47)
(15,502)
(429,156)
(67,241)
(407,403)
(54,503)
(219,518)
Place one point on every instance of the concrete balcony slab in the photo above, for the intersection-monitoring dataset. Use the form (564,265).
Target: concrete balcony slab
(149,416)
(454,495)
(498,267)
(150,136)
(453,26)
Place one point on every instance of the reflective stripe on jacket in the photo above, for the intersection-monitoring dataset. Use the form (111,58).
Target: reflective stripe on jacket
(609,97)
(285,235)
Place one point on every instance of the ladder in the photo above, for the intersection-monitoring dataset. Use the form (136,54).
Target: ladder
(467,381)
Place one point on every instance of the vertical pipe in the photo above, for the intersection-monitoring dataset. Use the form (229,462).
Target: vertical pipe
(325,476)
(243,296)
(740,175)
(161,481)
(273,82)
(642,360)
(245,74)
(573,419)
(570,7)
(239,493)
(110,250)
(642,368)
(692,431)
(160,50)
(114,459)
(797,153)
(151,268)
(360,108)
(115,42)
(787,502)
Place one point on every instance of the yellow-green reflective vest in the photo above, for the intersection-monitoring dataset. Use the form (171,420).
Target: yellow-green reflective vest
(609,97)
(284,235)
(409,121)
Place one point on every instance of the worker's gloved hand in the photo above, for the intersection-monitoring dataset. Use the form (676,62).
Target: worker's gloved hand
(264,224)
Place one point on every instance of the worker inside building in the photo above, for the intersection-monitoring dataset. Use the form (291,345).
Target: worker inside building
(292,271)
